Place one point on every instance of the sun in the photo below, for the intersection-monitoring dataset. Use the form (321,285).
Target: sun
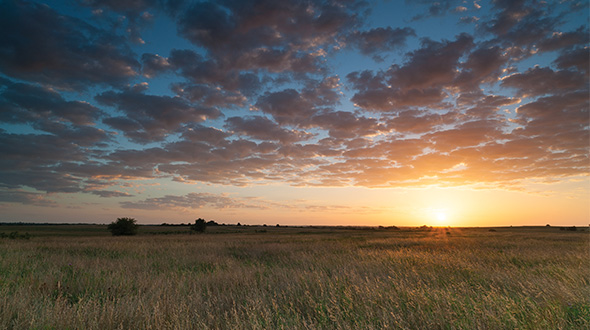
(441,216)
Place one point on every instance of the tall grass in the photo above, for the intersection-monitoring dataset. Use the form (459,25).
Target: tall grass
(467,279)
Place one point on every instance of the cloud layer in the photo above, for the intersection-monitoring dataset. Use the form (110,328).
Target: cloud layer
(255,95)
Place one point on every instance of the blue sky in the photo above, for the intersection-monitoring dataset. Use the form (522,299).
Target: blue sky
(295,112)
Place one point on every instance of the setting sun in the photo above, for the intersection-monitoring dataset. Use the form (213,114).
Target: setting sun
(441,216)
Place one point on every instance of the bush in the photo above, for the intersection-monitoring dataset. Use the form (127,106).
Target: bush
(123,226)
(199,226)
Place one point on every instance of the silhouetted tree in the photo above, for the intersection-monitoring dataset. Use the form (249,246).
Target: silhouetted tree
(200,225)
(123,226)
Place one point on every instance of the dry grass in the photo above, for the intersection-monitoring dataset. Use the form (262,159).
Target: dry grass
(286,279)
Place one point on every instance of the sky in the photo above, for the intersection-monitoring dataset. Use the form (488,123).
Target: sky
(405,113)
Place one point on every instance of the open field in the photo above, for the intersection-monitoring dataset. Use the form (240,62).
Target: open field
(80,277)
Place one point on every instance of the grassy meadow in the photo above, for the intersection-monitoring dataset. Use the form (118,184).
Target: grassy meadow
(80,277)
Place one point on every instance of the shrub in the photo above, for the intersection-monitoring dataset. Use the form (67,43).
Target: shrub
(199,226)
(123,226)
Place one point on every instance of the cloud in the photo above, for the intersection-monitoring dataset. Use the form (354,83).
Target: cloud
(210,96)
(261,128)
(437,8)
(26,198)
(484,65)
(243,25)
(26,103)
(109,193)
(539,81)
(189,201)
(213,73)
(457,111)
(270,35)
(195,201)
(50,48)
(154,64)
(379,40)
(150,118)
(413,121)
(342,124)
(123,6)
(419,82)
(432,65)
(562,113)
(525,24)
(564,40)
(287,106)
(577,58)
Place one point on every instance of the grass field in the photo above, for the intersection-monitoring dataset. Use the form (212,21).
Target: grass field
(80,277)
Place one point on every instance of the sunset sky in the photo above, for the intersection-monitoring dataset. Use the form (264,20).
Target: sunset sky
(460,113)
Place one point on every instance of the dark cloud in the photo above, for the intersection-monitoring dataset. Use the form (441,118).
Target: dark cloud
(189,201)
(210,96)
(379,40)
(154,64)
(26,198)
(342,124)
(484,65)
(435,9)
(529,24)
(210,135)
(202,71)
(560,112)
(539,81)
(270,35)
(431,66)
(419,82)
(41,161)
(123,6)
(241,25)
(262,128)
(564,40)
(414,121)
(151,117)
(25,103)
(109,193)
(47,47)
(577,58)
(287,106)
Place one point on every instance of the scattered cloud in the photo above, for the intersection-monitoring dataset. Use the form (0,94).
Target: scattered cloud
(255,93)
(46,47)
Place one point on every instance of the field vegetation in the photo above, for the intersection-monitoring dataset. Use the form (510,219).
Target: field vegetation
(230,277)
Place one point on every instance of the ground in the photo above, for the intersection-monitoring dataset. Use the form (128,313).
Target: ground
(230,277)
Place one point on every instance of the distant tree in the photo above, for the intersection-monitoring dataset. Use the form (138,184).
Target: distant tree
(199,226)
(123,226)
(212,223)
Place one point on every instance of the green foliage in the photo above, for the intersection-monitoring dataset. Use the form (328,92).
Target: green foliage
(199,226)
(123,226)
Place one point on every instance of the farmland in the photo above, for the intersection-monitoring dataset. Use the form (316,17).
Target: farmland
(80,277)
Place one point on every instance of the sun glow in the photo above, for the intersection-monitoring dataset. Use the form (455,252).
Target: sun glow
(439,217)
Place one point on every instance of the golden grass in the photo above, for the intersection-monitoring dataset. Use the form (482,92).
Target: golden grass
(285,279)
